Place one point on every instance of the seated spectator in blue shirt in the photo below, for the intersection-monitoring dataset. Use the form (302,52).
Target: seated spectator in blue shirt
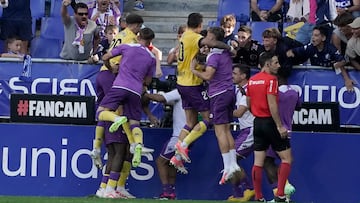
(322,53)
(16,21)
(348,6)
(266,10)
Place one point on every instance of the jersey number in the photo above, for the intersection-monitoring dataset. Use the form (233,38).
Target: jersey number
(114,43)
(205,95)
(181,52)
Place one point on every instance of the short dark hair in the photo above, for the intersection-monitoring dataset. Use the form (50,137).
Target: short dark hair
(147,34)
(265,57)
(344,19)
(322,29)
(11,39)
(194,20)
(218,32)
(271,33)
(80,5)
(245,28)
(134,19)
(243,68)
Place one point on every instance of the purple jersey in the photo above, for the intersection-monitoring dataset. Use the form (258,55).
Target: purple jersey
(288,101)
(221,61)
(137,63)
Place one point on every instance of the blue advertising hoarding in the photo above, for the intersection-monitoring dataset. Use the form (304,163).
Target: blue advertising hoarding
(53,160)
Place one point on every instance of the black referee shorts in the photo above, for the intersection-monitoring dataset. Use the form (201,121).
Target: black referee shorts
(266,134)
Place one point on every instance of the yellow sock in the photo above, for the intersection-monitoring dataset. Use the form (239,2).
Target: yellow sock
(111,183)
(103,185)
(107,116)
(137,134)
(195,134)
(126,127)
(99,136)
(124,174)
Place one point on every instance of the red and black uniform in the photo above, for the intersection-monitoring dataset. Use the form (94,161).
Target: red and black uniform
(265,129)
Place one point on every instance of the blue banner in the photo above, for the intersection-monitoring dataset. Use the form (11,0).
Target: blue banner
(315,85)
(53,160)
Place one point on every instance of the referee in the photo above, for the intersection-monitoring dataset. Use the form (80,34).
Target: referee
(262,98)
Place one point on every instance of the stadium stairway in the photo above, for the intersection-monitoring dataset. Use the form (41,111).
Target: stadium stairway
(165,16)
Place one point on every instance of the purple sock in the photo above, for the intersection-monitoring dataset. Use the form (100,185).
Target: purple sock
(105,179)
(114,175)
(238,190)
(166,188)
(246,183)
(172,188)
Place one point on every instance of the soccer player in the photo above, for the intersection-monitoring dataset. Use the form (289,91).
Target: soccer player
(193,92)
(128,85)
(262,95)
(222,100)
(167,173)
(243,189)
(289,100)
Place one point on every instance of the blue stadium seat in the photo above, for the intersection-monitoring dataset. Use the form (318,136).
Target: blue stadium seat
(45,48)
(258,28)
(52,28)
(37,8)
(240,8)
(56,7)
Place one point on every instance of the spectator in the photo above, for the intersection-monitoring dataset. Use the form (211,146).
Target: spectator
(266,10)
(322,53)
(343,32)
(227,23)
(320,13)
(13,45)
(81,34)
(274,42)
(348,6)
(110,32)
(104,13)
(248,49)
(16,21)
(139,5)
(298,10)
(174,52)
(353,47)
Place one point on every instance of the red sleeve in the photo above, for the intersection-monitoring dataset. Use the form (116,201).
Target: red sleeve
(272,86)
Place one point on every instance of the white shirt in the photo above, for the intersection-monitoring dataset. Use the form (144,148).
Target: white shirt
(247,120)
(173,97)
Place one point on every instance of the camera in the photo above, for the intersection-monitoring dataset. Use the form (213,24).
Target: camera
(166,86)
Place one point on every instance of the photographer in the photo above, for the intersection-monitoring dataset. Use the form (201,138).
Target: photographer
(167,173)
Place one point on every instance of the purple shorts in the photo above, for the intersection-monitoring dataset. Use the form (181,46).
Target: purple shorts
(168,150)
(244,142)
(104,81)
(271,153)
(117,137)
(131,102)
(222,107)
(194,97)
